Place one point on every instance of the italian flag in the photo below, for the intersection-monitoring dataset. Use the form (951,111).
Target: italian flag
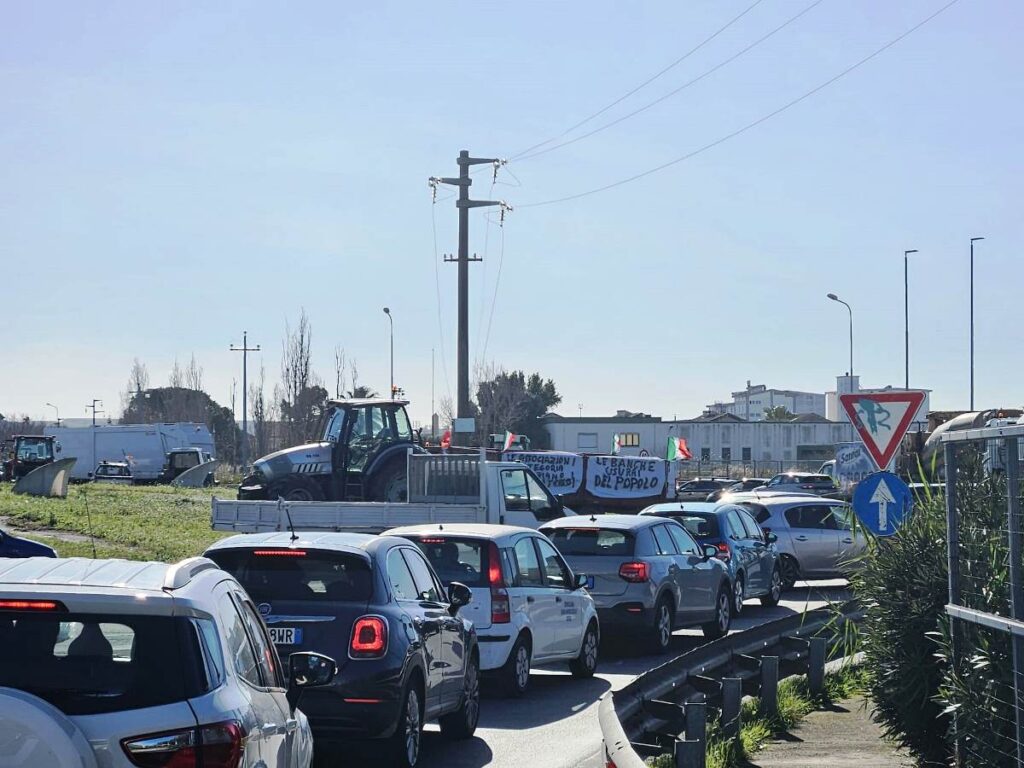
(677,449)
(510,437)
(616,444)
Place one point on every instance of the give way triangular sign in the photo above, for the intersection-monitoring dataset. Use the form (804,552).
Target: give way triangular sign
(882,419)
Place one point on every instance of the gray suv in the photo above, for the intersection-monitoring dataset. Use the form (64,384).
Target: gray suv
(801,482)
(646,574)
(814,534)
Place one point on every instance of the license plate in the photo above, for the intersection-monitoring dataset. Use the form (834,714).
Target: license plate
(286,635)
(590,582)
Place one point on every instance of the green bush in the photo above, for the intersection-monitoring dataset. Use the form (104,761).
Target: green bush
(902,585)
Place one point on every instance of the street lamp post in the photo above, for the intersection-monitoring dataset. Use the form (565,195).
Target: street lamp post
(57,411)
(973,241)
(906,319)
(391,321)
(848,309)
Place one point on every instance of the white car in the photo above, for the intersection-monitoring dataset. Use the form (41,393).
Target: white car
(528,607)
(117,664)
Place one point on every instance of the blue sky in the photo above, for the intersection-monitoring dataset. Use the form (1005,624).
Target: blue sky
(175,173)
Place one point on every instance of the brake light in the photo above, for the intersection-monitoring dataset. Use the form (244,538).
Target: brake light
(723,551)
(501,609)
(210,746)
(432,541)
(369,638)
(634,572)
(279,552)
(31,605)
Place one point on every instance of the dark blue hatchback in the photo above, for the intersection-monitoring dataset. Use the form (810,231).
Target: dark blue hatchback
(749,553)
(14,546)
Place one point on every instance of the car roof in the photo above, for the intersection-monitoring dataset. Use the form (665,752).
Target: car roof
(618,522)
(360,401)
(81,573)
(680,506)
(471,530)
(784,499)
(354,543)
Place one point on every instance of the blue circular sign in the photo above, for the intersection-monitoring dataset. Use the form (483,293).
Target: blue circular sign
(882,501)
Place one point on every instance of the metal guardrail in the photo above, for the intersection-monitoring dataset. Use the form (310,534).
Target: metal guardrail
(665,709)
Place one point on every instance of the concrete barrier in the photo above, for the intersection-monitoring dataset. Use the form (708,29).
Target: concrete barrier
(47,480)
(199,476)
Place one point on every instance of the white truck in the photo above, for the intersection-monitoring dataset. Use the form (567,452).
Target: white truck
(442,489)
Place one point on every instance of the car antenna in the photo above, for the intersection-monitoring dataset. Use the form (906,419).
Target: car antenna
(288,514)
(593,517)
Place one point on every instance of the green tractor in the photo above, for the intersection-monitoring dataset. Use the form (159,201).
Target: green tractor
(359,455)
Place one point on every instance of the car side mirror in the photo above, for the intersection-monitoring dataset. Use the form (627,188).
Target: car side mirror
(580,580)
(308,670)
(458,595)
(771,538)
(710,551)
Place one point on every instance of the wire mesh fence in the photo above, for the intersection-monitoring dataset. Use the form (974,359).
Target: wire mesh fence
(984,634)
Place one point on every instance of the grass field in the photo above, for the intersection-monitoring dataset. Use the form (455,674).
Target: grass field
(140,523)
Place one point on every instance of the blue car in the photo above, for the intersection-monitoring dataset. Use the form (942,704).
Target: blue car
(748,552)
(13,546)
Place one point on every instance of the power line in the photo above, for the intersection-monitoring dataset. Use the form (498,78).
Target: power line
(484,263)
(748,126)
(644,84)
(494,298)
(673,92)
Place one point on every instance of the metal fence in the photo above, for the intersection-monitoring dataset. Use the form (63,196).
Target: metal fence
(986,598)
(740,469)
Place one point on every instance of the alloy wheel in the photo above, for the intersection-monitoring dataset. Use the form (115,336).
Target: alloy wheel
(664,625)
(412,727)
(723,612)
(776,588)
(522,667)
(472,695)
(590,649)
(737,596)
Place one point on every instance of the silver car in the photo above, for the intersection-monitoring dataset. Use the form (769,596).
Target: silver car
(646,574)
(120,664)
(815,537)
(801,482)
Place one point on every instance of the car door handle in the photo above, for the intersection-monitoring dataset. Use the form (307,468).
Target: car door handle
(558,599)
(847,541)
(273,728)
(801,538)
(529,598)
(290,725)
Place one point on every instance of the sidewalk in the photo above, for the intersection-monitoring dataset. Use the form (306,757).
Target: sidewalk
(843,736)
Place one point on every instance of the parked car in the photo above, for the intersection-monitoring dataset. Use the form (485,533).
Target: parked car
(748,552)
(646,575)
(116,472)
(746,484)
(528,608)
(815,536)
(408,656)
(15,546)
(805,482)
(127,664)
(698,490)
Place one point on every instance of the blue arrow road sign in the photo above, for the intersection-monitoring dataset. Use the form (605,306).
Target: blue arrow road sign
(882,501)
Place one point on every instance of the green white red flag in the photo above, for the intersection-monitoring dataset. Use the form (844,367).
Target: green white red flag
(677,449)
(510,438)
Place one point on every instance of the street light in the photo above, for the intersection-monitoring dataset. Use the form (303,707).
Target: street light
(906,320)
(391,321)
(836,298)
(973,240)
(57,411)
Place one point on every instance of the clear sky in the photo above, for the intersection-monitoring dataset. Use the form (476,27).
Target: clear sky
(174,173)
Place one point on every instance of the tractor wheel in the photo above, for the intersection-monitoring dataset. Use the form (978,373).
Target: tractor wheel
(296,488)
(390,483)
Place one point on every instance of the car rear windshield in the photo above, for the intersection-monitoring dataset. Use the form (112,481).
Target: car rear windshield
(89,664)
(700,525)
(455,559)
(591,541)
(298,574)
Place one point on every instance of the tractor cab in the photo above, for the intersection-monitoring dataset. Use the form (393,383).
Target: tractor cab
(27,452)
(359,455)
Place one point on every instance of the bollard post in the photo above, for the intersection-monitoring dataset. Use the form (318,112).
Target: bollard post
(816,665)
(732,693)
(697,729)
(770,686)
(687,753)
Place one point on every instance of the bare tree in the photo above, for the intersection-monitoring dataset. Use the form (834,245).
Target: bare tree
(177,377)
(300,395)
(138,382)
(194,375)
(339,370)
(446,412)
(259,413)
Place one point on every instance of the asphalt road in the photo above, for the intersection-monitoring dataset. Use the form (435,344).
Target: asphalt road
(555,724)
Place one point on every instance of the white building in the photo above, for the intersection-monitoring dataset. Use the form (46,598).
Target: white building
(716,438)
(845,385)
(750,403)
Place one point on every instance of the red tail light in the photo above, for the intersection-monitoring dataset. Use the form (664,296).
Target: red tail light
(723,551)
(31,605)
(501,609)
(279,552)
(369,638)
(210,746)
(634,572)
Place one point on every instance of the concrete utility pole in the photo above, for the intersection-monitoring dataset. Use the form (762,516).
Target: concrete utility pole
(391,320)
(463,204)
(906,319)
(245,349)
(94,411)
(973,241)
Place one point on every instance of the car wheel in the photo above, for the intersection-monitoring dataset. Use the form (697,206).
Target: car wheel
(405,741)
(296,489)
(790,572)
(661,632)
(774,590)
(738,588)
(516,672)
(585,664)
(390,484)
(719,626)
(461,723)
